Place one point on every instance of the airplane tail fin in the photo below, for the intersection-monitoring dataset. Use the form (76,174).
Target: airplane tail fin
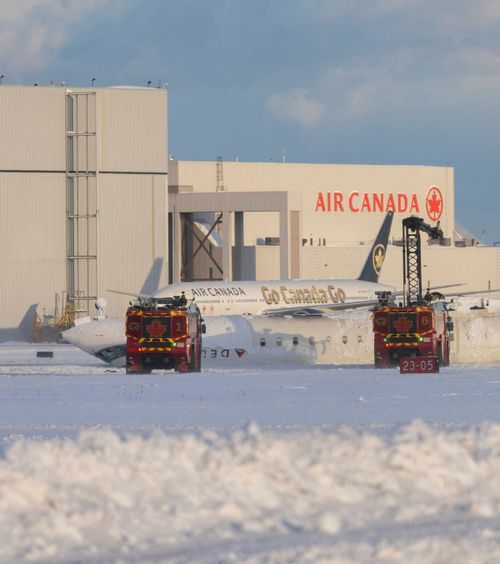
(373,265)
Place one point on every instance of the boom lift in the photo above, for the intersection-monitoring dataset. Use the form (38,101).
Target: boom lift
(419,327)
(412,262)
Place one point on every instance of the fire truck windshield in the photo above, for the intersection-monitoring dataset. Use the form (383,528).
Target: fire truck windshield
(402,322)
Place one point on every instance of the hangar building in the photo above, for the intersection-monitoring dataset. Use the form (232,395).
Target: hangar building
(338,210)
(83,197)
(90,202)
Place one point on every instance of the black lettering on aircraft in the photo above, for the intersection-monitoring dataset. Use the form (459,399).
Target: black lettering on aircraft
(219,353)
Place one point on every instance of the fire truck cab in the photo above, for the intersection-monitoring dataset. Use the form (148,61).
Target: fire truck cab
(412,331)
(164,334)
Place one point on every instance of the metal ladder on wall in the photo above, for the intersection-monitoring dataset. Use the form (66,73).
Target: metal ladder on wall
(81,201)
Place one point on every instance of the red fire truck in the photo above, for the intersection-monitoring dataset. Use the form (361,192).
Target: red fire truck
(419,326)
(164,334)
(413,331)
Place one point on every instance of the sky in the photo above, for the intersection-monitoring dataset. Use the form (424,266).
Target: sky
(322,81)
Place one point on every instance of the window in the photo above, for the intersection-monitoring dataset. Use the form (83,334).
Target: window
(111,353)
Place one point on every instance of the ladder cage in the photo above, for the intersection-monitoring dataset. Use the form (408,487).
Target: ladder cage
(81,200)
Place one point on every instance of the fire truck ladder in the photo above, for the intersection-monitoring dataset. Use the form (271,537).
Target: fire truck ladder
(412,262)
(81,200)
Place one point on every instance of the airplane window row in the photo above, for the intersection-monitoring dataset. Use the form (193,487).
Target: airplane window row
(295,341)
(311,340)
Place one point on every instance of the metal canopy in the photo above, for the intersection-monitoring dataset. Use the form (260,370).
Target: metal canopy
(232,206)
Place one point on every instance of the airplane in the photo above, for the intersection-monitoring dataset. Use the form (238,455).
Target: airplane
(254,321)
(239,340)
(289,297)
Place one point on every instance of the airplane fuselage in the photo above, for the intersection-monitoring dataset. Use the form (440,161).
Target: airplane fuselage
(238,340)
(257,297)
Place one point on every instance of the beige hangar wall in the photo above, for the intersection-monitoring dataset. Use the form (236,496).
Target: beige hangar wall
(130,171)
(343,204)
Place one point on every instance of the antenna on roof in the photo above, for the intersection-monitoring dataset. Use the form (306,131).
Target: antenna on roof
(149,83)
(2,76)
(93,80)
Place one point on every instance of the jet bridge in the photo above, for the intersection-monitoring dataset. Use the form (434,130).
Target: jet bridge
(229,209)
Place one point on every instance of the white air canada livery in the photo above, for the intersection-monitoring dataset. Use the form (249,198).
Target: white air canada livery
(261,322)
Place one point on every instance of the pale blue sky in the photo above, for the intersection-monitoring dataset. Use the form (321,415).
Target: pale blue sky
(375,81)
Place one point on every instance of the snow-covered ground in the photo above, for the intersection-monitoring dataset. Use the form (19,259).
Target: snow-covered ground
(281,464)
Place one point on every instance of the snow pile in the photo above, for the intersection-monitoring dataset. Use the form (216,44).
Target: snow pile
(419,495)
(477,330)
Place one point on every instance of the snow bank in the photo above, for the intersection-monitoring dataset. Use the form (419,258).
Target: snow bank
(476,337)
(419,495)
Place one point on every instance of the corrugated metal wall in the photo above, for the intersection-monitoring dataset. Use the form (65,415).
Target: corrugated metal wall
(131,191)
(133,126)
(32,134)
(32,244)
(133,233)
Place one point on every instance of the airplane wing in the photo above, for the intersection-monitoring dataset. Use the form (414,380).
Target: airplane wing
(318,311)
(445,286)
(131,294)
(472,293)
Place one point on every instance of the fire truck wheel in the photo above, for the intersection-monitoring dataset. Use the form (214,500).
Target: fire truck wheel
(183,366)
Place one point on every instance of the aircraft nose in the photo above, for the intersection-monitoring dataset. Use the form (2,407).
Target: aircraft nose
(80,336)
(71,335)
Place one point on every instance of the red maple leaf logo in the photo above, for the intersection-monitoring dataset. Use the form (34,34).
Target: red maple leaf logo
(434,203)
(402,324)
(240,352)
(156,329)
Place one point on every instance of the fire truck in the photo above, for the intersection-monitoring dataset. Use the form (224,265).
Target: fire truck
(418,327)
(163,334)
(412,331)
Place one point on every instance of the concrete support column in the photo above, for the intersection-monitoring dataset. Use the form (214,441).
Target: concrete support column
(176,246)
(295,245)
(227,249)
(187,255)
(239,242)
(284,245)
